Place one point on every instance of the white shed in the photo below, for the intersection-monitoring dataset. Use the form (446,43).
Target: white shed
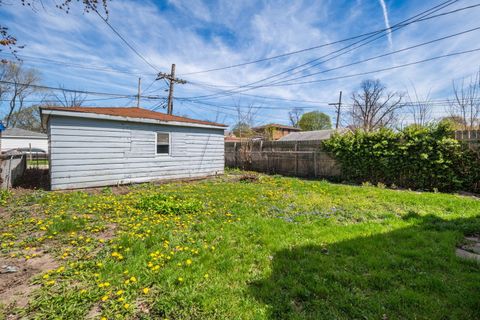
(15,138)
(93,146)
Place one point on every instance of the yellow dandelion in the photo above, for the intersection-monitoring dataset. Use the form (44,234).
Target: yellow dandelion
(146,290)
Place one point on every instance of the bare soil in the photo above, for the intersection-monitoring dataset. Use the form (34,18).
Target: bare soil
(16,287)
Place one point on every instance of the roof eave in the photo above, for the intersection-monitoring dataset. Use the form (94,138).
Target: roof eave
(91,115)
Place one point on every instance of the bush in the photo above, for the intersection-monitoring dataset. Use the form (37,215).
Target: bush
(417,157)
(159,203)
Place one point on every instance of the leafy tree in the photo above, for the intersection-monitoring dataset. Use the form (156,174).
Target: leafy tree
(314,120)
(28,118)
(456,122)
(243,130)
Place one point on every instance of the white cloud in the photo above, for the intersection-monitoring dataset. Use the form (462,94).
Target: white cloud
(200,35)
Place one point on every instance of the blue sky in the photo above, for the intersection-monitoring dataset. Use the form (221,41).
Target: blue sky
(198,35)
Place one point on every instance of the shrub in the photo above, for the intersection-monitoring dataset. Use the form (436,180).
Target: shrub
(416,157)
(160,203)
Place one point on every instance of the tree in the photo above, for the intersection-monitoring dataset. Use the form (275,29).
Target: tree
(421,111)
(28,118)
(246,116)
(66,99)
(243,130)
(455,122)
(7,40)
(20,85)
(314,120)
(295,116)
(466,102)
(374,107)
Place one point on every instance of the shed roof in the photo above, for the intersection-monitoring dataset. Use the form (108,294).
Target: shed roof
(21,133)
(133,112)
(311,135)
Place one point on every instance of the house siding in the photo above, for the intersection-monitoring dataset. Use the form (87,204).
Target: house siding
(92,153)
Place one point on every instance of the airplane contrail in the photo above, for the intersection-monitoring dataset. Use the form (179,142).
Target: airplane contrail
(387,22)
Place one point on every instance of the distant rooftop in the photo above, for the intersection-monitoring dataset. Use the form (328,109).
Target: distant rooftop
(311,135)
(17,132)
(276,125)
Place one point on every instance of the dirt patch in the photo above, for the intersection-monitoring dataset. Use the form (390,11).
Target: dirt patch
(248,178)
(94,313)
(15,287)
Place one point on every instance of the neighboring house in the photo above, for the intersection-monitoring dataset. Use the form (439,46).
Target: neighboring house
(91,147)
(274,131)
(15,138)
(312,135)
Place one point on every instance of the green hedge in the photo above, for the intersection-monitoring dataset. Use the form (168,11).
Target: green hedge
(425,158)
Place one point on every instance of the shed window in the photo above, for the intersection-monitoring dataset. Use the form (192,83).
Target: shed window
(163,143)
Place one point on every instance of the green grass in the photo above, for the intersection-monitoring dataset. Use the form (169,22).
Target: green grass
(278,248)
(35,162)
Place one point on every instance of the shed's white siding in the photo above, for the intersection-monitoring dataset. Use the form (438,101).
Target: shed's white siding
(92,152)
(9,143)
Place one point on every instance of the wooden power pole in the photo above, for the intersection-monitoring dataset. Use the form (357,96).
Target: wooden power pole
(170,77)
(337,105)
(139,90)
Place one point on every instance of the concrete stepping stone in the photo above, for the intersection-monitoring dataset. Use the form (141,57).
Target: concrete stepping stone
(470,249)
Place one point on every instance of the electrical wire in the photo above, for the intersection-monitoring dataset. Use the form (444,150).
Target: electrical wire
(305,49)
(394,28)
(126,42)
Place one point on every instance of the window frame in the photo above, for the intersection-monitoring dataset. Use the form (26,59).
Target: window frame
(169,144)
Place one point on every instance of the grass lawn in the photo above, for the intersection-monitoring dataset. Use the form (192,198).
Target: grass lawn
(34,162)
(276,248)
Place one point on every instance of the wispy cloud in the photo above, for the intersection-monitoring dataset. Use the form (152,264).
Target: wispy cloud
(208,34)
(387,22)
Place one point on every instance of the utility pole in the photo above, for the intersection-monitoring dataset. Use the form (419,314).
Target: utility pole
(337,105)
(170,77)
(139,90)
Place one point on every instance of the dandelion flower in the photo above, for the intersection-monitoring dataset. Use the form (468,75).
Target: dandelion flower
(146,290)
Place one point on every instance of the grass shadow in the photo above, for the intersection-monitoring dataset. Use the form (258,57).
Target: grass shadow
(411,273)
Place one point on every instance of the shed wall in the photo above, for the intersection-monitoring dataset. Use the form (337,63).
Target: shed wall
(91,152)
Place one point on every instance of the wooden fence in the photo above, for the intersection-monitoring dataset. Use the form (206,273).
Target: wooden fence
(290,158)
(470,137)
(300,158)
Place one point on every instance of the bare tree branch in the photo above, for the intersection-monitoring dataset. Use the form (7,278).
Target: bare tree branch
(374,107)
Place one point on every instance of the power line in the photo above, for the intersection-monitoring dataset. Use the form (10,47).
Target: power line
(305,49)
(394,28)
(383,55)
(363,60)
(80,91)
(126,42)
(380,70)
(75,65)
